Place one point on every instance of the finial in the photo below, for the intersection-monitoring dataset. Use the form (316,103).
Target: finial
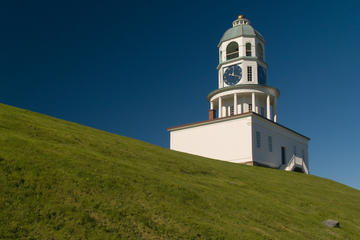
(240,21)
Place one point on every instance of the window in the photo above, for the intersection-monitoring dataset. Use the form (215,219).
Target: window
(250,107)
(232,51)
(283,155)
(262,111)
(258,140)
(270,143)
(260,52)
(249,73)
(248,49)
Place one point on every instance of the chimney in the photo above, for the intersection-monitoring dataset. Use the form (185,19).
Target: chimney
(212,114)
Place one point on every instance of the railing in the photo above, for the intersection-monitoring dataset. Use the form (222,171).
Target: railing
(295,162)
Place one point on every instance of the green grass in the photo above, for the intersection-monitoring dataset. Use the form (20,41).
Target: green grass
(61,180)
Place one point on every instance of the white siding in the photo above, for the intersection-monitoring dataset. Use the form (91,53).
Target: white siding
(280,137)
(228,140)
(234,140)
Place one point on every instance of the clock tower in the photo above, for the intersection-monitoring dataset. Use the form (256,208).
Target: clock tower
(243,48)
(243,120)
(242,74)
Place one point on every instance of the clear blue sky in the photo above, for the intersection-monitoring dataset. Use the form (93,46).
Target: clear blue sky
(137,67)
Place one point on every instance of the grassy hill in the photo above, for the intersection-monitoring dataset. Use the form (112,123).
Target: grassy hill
(61,180)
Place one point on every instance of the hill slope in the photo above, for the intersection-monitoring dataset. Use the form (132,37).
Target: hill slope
(61,180)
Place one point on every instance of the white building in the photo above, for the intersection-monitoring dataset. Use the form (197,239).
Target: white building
(242,125)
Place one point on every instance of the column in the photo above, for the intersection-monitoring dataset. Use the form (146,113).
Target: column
(275,110)
(239,110)
(220,107)
(268,116)
(235,104)
(211,105)
(253,102)
(221,81)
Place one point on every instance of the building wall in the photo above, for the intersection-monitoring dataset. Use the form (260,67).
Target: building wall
(280,137)
(235,140)
(228,140)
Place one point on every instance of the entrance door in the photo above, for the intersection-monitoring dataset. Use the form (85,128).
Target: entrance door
(283,155)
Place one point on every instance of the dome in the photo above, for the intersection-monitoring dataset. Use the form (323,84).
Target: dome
(241,27)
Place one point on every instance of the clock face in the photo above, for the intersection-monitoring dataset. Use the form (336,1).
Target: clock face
(232,74)
(261,75)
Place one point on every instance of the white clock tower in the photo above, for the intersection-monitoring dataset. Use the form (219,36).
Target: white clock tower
(242,74)
(242,125)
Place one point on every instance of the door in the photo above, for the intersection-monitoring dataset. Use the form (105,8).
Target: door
(283,155)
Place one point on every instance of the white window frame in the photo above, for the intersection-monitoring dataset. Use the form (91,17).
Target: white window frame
(248,50)
(249,73)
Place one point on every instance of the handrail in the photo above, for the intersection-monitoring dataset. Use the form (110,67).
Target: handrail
(296,161)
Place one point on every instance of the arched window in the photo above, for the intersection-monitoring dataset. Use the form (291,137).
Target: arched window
(260,52)
(232,51)
(248,49)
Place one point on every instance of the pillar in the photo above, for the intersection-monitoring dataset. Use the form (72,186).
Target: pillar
(253,102)
(211,105)
(275,110)
(235,104)
(268,116)
(220,107)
